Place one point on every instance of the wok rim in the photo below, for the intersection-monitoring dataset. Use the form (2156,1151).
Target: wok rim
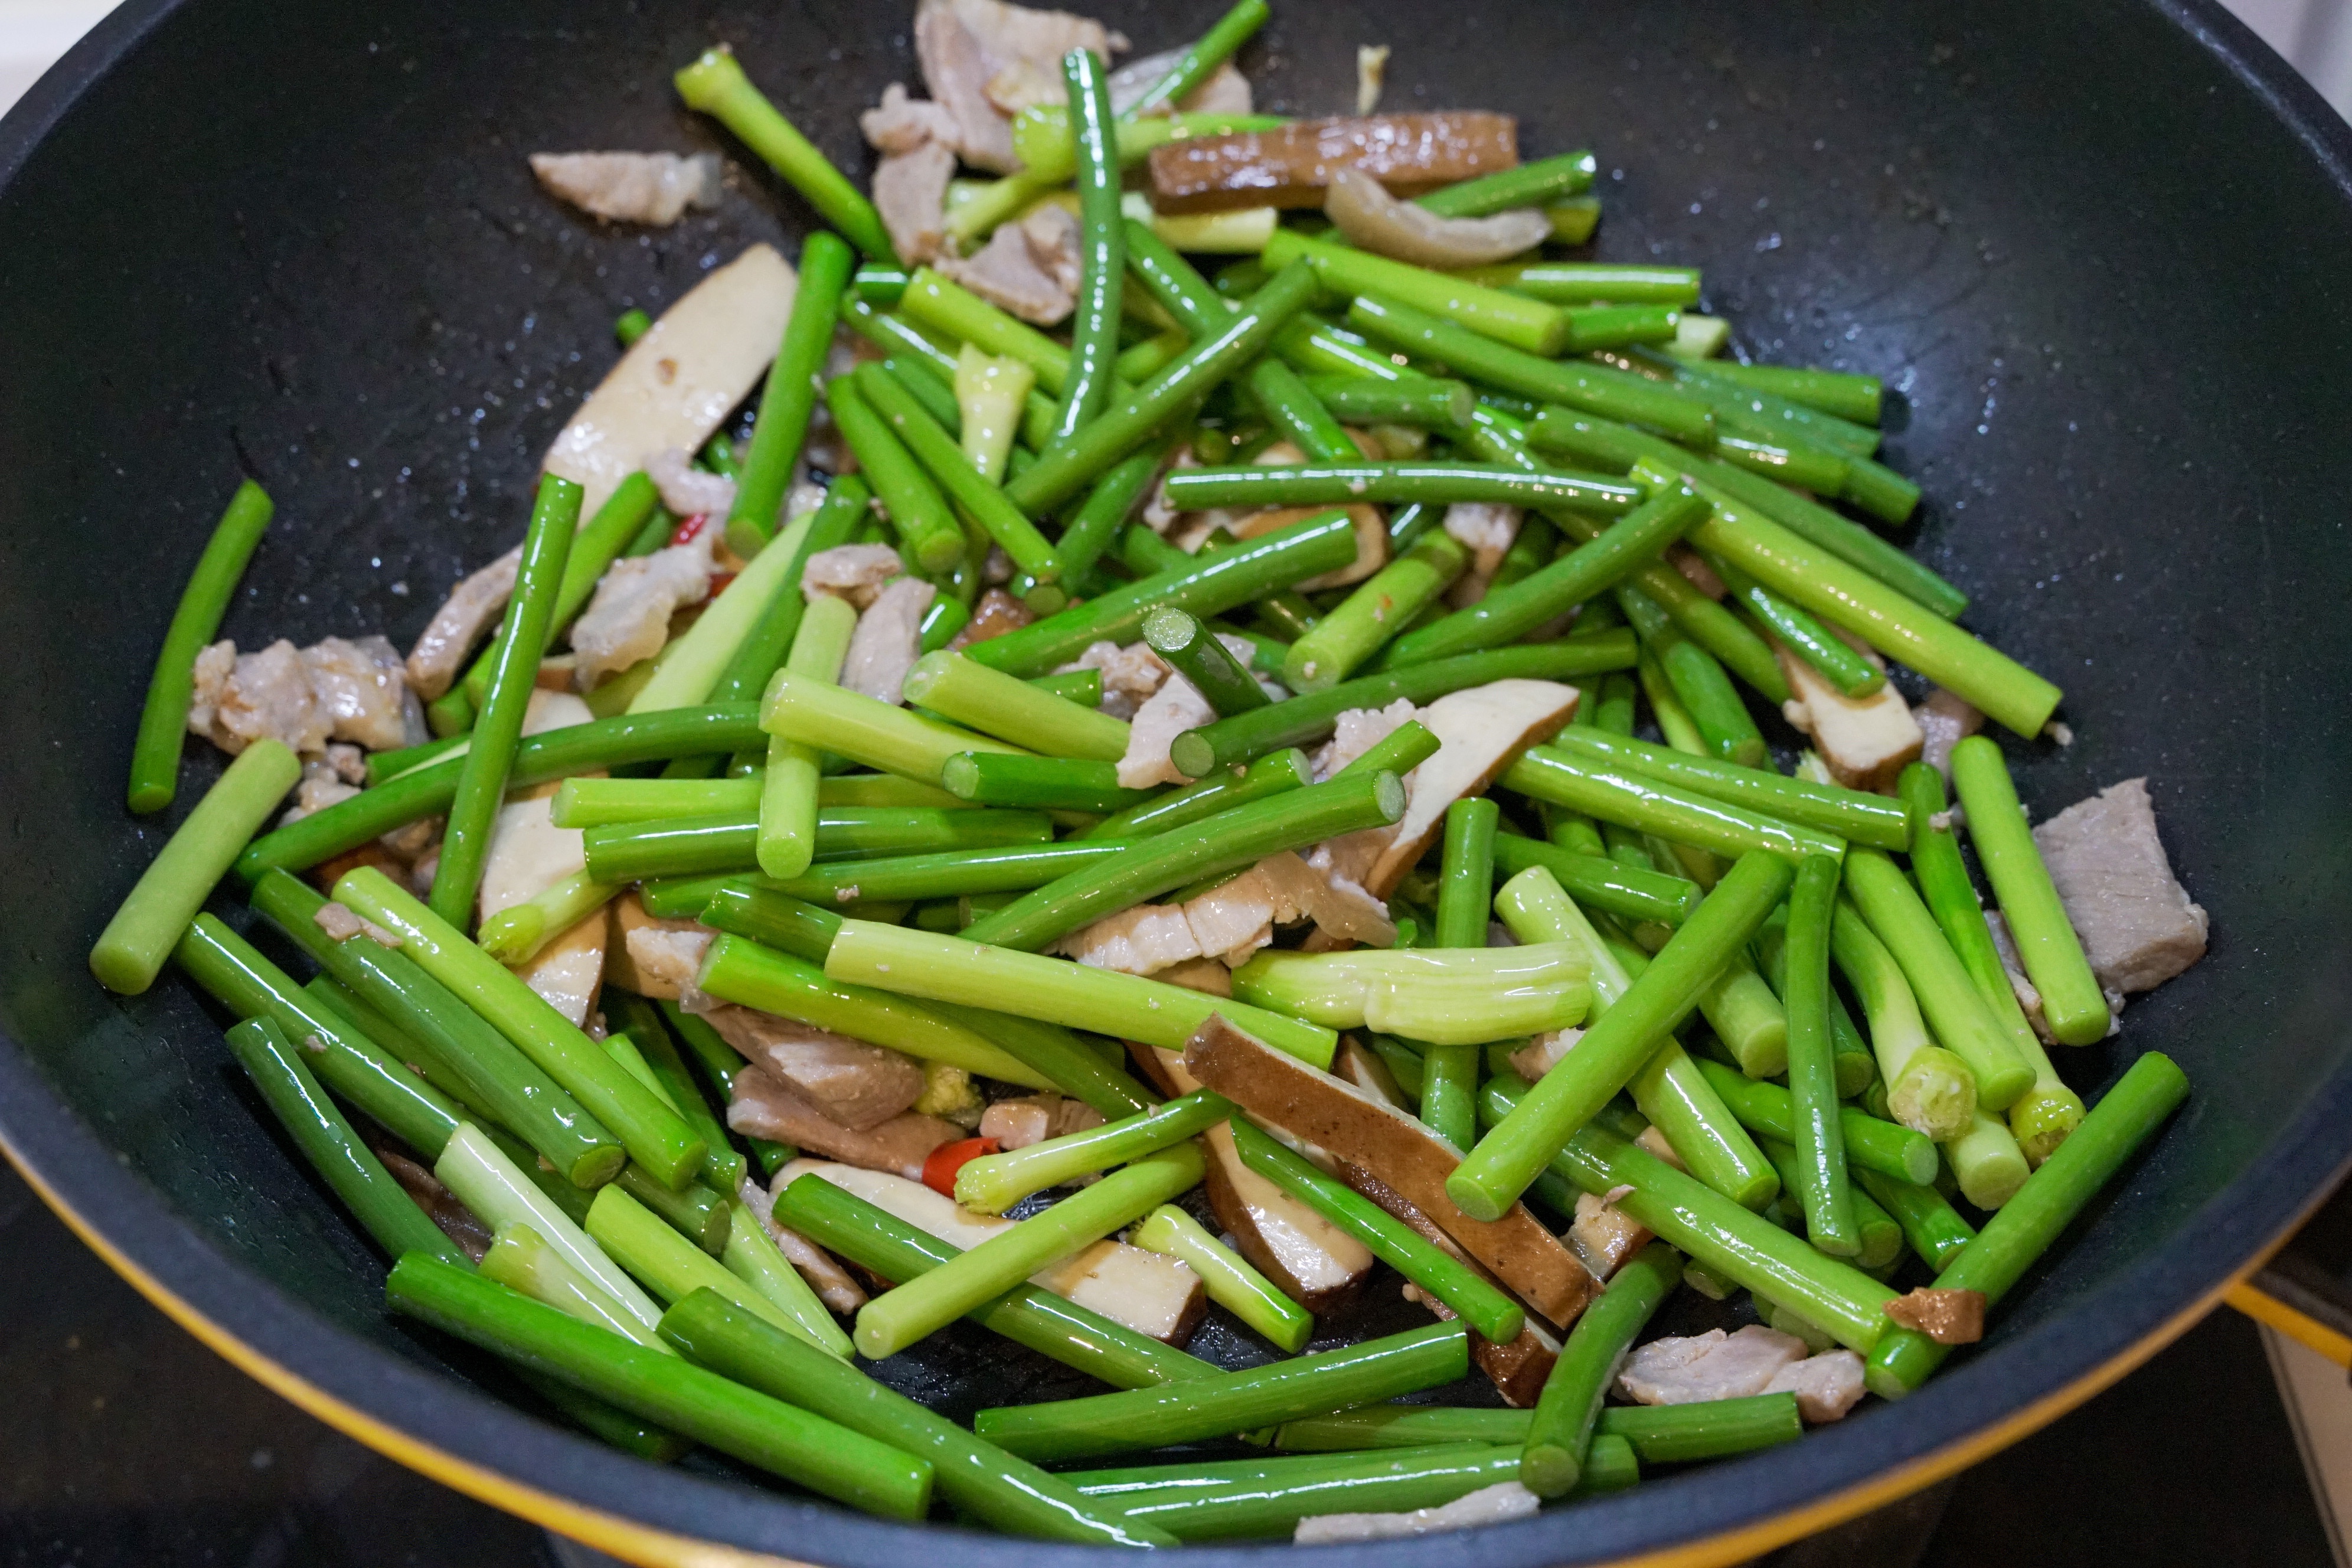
(501,1454)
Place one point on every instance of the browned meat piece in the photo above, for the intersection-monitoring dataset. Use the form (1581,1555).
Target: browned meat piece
(762,1107)
(1030,268)
(628,619)
(320,787)
(854,1084)
(685,489)
(362,689)
(630,187)
(1362,209)
(910,189)
(1226,91)
(1945,720)
(968,47)
(1497,1504)
(440,1205)
(1131,675)
(901,124)
(888,641)
(2138,925)
(664,964)
(852,572)
(1034,1118)
(440,651)
(997,614)
(1604,1236)
(1826,1386)
(1947,1317)
(1712,1365)
(1331,1114)
(828,1278)
(240,697)
(1176,707)
(1142,939)
(1292,166)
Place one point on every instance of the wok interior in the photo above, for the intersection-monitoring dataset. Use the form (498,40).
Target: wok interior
(2100,272)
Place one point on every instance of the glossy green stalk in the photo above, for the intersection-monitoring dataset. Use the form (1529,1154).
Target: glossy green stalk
(1195,653)
(722,1167)
(1460,1286)
(714,85)
(659,1385)
(1423,403)
(626,852)
(1457,996)
(1986,1162)
(1560,1431)
(1745,1248)
(1851,815)
(1102,252)
(1928,1089)
(1038,784)
(2071,1000)
(1069,465)
(1027,1314)
(1819,1142)
(515,934)
(1230,1282)
(1947,996)
(768,642)
(788,397)
(991,393)
(1870,1144)
(2151,1090)
(143,931)
(994,703)
(2046,1113)
(495,1187)
(1203,585)
(1250,486)
(1834,392)
(1229,741)
(1227,841)
(521,1259)
(994,1183)
(654,1134)
(1015,869)
(1931,1227)
(927,530)
(788,809)
(752,1257)
(1614,1049)
(1613,793)
(899,1317)
(821,715)
(164,720)
(1375,612)
(482,778)
(1670,1088)
(1509,613)
(1272,774)
(495,1077)
(335,1151)
(954,474)
(1231,1402)
(951,969)
(1659,1434)
(1526,327)
(556,754)
(1623,892)
(671,1268)
(1581,384)
(355,1068)
(1591,282)
(1198,63)
(738,969)
(1845,596)
(979,1477)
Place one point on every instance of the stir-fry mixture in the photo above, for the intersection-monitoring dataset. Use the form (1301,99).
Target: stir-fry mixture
(1186,728)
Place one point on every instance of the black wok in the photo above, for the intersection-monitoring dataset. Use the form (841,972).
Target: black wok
(2103,250)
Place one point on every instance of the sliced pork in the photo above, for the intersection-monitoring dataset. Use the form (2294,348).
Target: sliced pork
(653,188)
(854,1084)
(967,48)
(628,619)
(762,1107)
(361,686)
(1030,268)
(461,622)
(1712,1365)
(888,640)
(910,190)
(2138,925)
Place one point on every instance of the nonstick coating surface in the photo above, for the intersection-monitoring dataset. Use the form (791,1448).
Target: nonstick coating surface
(2100,250)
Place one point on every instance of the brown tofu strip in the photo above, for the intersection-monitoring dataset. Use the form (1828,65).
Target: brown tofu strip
(1332,1114)
(1517,1368)
(1335,1265)
(1289,168)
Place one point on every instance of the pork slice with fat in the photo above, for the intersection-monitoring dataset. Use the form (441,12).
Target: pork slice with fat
(762,1107)
(362,686)
(852,1083)
(2138,925)
(653,188)
(965,45)
(888,641)
(1712,1365)
(460,622)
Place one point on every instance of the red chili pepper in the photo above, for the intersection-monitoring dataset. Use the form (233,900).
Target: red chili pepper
(939,1169)
(688,527)
(718,581)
